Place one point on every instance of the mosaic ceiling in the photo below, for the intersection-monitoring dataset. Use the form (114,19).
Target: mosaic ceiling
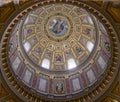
(60,39)
(59,50)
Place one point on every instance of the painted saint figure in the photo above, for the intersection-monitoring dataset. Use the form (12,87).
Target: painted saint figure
(59,88)
(58,27)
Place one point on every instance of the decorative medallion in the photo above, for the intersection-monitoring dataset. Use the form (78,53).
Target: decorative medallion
(58,26)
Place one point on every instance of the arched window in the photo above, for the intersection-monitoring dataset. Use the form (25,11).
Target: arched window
(89,46)
(71,63)
(90,20)
(46,63)
(27,46)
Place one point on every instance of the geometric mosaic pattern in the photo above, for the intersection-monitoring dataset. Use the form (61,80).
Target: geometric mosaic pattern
(54,40)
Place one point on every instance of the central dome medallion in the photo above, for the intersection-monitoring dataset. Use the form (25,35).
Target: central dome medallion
(58,26)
